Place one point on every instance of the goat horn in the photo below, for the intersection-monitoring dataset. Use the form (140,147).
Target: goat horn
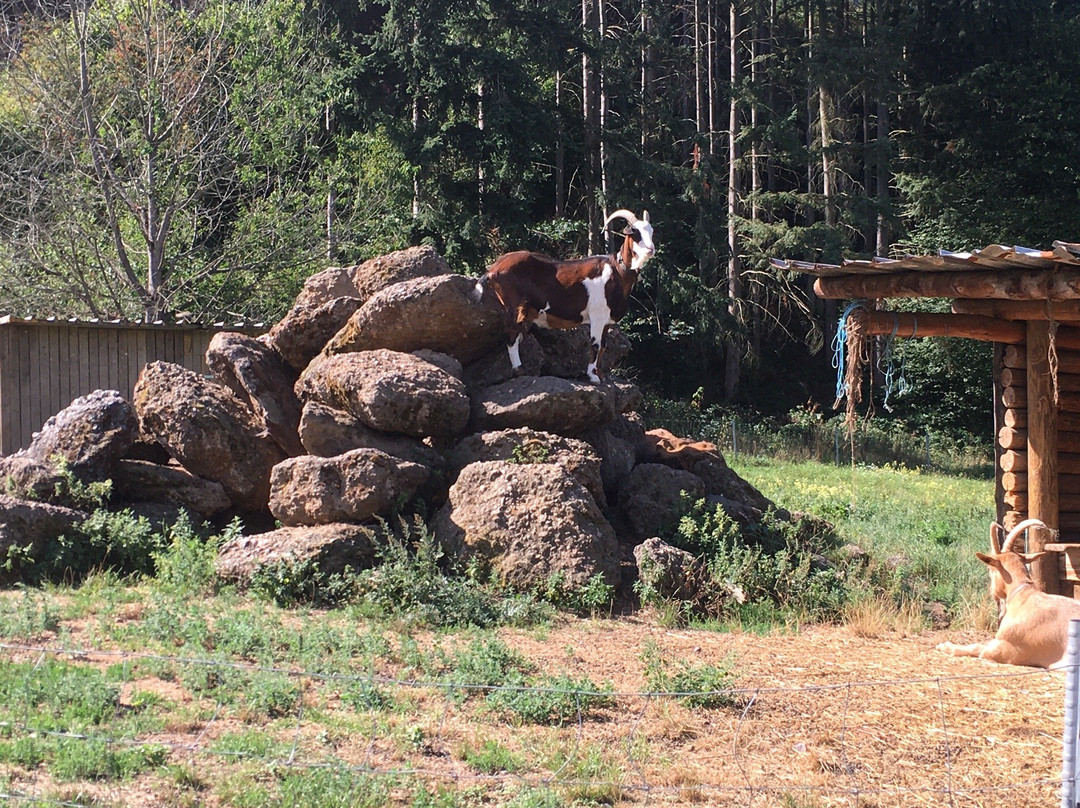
(996,532)
(624,213)
(1006,546)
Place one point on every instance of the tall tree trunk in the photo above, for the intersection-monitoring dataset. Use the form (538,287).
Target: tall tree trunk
(735,285)
(560,150)
(480,190)
(711,74)
(884,232)
(811,103)
(589,119)
(828,160)
(331,195)
(602,129)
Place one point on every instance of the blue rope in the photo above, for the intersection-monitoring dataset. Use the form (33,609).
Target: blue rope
(839,344)
(894,372)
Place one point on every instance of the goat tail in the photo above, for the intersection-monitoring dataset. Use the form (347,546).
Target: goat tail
(1006,546)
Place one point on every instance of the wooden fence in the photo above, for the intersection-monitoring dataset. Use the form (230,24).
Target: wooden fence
(46,364)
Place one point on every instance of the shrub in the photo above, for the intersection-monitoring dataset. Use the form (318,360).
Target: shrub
(774,561)
(551,700)
(184,563)
(697,685)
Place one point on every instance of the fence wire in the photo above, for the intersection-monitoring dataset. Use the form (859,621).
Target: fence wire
(860,743)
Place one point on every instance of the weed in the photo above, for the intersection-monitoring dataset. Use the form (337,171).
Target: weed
(411,582)
(551,700)
(272,694)
(531,451)
(184,563)
(28,617)
(486,663)
(64,697)
(364,694)
(89,759)
(591,599)
(492,758)
(288,582)
(694,685)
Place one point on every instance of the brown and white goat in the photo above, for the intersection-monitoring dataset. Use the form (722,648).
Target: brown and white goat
(534,288)
(1034,626)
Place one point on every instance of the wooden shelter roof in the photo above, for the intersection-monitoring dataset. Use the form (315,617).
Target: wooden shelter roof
(993,257)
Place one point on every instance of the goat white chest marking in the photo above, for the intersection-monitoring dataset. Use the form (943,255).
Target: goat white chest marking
(597,312)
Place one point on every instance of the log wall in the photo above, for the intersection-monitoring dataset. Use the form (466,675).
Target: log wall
(45,364)
(1013,483)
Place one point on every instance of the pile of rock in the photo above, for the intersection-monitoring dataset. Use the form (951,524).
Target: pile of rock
(386,382)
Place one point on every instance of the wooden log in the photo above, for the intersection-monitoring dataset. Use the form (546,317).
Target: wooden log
(906,324)
(1010,438)
(1049,284)
(1070,524)
(1017,377)
(1015,356)
(1018,501)
(1013,461)
(1042,452)
(1016,397)
(1058,311)
(1017,419)
(1017,481)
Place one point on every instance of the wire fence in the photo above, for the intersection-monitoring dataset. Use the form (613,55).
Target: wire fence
(967,740)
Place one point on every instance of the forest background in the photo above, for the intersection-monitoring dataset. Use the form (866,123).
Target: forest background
(197,159)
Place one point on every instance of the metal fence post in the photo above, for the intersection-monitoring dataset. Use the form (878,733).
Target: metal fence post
(734,440)
(1072,719)
(836,440)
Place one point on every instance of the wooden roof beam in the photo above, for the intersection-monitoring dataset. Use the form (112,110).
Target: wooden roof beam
(907,324)
(1056,284)
(1061,311)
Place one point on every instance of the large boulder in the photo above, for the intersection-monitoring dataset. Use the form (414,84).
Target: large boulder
(27,528)
(526,446)
(494,366)
(440,313)
(259,376)
(547,403)
(89,435)
(619,446)
(378,273)
(353,487)
(208,430)
(667,571)
(333,549)
(651,498)
(141,481)
(568,352)
(702,458)
(327,432)
(528,522)
(389,391)
(302,333)
(329,298)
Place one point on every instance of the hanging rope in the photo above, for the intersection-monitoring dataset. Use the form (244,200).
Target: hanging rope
(850,356)
(839,349)
(892,366)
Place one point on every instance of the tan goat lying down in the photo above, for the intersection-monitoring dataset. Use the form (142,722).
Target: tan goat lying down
(1034,626)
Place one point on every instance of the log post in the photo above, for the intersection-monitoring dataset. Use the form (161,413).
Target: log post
(1042,452)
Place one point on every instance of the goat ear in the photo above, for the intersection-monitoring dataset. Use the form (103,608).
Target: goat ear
(1029,557)
(989,560)
(645,215)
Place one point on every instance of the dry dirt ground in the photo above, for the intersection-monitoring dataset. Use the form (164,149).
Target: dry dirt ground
(826,718)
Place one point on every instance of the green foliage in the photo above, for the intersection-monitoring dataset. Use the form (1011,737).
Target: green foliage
(72,491)
(65,697)
(774,561)
(493,758)
(288,582)
(550,699)
(695,685)
(593,598)
(29,616)
(414,581)
(185,562)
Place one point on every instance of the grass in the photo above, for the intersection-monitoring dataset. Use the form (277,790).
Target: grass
(924,528)
(382,679)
